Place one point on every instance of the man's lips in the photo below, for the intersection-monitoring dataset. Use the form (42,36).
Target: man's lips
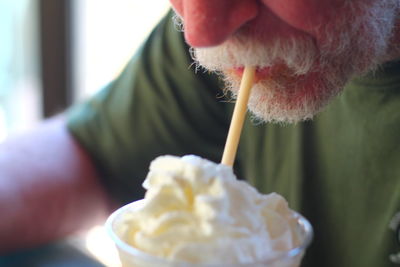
(278,71)
(261,73)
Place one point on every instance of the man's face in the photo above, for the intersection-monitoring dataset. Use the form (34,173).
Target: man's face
(304,50)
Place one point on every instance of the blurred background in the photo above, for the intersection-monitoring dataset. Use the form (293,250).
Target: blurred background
(54,53)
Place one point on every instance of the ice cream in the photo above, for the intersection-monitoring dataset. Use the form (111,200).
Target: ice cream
(197,211)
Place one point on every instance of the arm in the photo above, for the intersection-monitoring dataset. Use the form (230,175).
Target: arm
(48,187)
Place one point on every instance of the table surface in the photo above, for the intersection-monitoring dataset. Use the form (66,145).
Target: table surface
(60,254)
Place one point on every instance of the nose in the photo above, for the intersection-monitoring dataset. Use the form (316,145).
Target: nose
(211,22)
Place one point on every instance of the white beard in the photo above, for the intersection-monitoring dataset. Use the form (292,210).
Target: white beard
(308,75)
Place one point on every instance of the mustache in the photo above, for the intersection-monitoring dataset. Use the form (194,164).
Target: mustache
(298,54)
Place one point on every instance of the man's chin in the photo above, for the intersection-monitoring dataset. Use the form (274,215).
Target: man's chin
(286,98)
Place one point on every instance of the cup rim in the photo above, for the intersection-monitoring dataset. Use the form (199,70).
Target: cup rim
(121,244)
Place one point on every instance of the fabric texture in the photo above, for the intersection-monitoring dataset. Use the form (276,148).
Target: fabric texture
(341,170)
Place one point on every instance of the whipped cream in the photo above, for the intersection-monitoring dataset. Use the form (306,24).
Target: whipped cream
(197,211)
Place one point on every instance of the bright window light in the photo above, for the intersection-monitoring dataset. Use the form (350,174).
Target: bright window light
(108,32)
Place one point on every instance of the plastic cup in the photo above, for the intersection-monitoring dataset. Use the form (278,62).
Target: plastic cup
(133,257)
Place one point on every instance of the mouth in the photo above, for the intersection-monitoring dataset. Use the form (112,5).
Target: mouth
(265,73)
(261,73)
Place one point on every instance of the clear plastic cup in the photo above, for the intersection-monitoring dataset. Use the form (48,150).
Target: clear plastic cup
(133,257)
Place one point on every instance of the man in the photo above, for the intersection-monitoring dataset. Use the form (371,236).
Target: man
(340,169)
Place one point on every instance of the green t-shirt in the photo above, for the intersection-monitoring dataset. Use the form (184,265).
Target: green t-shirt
(341,170)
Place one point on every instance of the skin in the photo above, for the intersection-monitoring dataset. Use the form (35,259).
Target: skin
(268,17)
(265,18)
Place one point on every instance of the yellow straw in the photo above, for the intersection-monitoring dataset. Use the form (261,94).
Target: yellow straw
(239,114)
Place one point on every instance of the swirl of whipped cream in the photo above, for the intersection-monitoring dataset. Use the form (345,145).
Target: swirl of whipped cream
(197,211)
